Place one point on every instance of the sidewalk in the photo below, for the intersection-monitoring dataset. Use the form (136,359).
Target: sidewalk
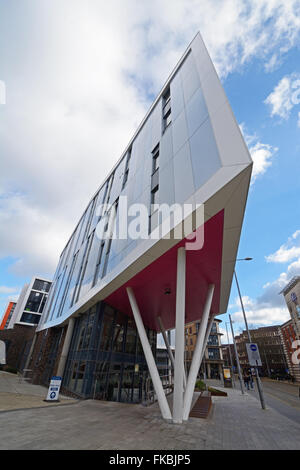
(235,422)
(15,394)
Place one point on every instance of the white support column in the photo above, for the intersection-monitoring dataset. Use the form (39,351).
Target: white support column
(206,337)
(161,397)
(66,347)
(163,331)
(179,337)
(196,361)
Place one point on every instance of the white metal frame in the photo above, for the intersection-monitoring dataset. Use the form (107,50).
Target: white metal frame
(161,397)
(182,399)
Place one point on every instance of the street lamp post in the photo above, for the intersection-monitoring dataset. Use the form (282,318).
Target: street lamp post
(237,358)
(259,386)
(231,363)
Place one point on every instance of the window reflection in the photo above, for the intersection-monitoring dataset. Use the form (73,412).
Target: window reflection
(112,365)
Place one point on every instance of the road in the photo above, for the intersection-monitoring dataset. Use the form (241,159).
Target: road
(282,397)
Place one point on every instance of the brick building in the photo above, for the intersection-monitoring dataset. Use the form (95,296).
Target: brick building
(212,363)
(291,329)
(270,345)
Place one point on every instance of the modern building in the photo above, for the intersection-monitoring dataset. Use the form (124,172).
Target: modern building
(21,321)
(212,361)
(291,329)
(164,365)
(229,356)
(31,303)
(154,249)
(271,349)
(289,338)
(7,315)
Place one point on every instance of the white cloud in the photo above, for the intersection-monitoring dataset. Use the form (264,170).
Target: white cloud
(261,153)
(288,251)
(270,308)
(284,96)
(8,290)
(263,316)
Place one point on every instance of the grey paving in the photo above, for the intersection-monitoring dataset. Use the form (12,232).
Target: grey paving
(18,394)
(236,422)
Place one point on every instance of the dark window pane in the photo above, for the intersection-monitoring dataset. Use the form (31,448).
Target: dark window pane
(30,318)
(33,302)
(41,285)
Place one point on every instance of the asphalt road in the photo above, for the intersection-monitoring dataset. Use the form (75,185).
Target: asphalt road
(282,397)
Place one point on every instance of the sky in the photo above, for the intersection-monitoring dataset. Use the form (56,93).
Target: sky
(74,74)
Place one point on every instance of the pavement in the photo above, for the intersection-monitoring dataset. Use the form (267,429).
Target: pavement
(235,422)
(15,393)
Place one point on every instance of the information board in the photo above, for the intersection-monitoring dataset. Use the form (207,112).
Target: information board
(54,388)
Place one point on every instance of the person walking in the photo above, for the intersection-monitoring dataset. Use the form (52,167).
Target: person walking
(246,379)
(251,375)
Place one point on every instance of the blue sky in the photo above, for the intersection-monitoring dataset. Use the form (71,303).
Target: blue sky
(78,73)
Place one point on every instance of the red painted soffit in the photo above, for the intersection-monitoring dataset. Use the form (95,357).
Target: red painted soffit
(203,267)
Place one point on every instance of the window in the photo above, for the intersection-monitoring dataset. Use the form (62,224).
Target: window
(126,173)
(155,159)
(154,198)
(33,302)
(167,117)
(30,318)
(130,337)
(111,227)
(213,354)
(41,285)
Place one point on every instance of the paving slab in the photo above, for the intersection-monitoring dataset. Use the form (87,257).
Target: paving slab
(235,422)
(16,394)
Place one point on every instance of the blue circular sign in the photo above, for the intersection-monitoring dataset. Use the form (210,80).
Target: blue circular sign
(52,395)
(253,347)
(293,297)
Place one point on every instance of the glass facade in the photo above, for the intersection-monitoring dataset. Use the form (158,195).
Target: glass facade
(35,302)
(105,359)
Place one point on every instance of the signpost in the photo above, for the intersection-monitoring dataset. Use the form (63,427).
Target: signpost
(253,354)
(54,388)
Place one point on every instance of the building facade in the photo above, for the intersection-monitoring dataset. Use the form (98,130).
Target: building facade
(153,250)
(271,349)
(31,302)
(291,329)
(289,337)
(7,315)
(229,356)
(20,322)
(212,362)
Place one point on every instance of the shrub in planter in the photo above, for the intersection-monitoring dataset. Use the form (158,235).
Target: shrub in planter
(10,369)
(200,385)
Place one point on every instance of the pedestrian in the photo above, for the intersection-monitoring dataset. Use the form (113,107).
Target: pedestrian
(246,379)
(251,374)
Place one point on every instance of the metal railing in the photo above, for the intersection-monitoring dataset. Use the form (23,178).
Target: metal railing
(150,396)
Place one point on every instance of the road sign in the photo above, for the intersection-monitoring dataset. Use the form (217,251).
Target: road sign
(253,354)
(293,297)
(54,388)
